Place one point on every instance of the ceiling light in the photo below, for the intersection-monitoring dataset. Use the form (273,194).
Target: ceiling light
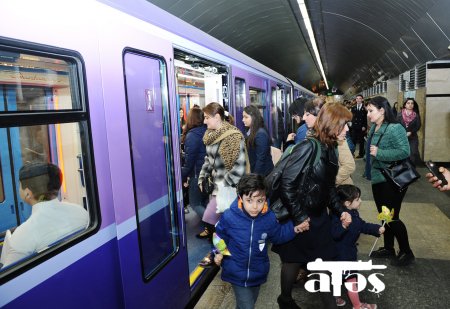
(307,21)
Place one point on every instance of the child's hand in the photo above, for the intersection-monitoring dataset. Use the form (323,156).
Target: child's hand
(346,219)
(304,226)
(381,230)
(218,259)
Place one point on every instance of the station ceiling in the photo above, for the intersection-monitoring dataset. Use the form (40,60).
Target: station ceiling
(360,41)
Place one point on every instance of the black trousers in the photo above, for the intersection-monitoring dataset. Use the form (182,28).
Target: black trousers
(358,138)
(385,194)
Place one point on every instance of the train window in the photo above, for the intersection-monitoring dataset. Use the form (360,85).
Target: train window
(45,162)
(33,76)
(240,101)
(288,119)
(258,98)
(240,95)
(152,159)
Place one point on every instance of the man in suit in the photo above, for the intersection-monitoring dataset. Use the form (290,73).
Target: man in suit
(359,125)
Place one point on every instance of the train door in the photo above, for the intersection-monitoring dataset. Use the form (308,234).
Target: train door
(22,145)
(199,81)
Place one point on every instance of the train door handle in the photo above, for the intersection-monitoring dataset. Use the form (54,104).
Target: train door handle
(12,208)
(21,206)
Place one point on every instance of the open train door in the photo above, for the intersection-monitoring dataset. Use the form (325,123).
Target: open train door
(152,248)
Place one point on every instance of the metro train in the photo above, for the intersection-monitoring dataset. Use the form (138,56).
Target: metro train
(95,88)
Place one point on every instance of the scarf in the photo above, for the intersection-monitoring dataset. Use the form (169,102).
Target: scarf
(407,119)
(229,146)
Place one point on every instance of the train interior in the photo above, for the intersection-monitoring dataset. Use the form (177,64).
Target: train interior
(198,82)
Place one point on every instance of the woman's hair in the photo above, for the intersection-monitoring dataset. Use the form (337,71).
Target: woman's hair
(313,106)
(257,122)
(213,109)
(182,118)
(330,121)
(251,183)
(416,106)
(194,119)
(381,102)
(297,108)
(348,193)
(229,118)
(41,178)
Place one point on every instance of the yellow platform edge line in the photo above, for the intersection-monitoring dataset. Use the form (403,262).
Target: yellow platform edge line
(195,274)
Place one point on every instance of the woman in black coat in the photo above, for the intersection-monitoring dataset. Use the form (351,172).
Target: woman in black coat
(307,195)
(258,141)
(194,157)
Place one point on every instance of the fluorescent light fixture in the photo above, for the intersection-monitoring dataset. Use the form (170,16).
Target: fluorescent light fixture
(307,21)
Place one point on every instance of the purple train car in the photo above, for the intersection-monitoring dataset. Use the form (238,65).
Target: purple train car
(95,87)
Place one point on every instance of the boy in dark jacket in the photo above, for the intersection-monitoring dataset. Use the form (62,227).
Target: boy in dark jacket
(246,228)
(346,238)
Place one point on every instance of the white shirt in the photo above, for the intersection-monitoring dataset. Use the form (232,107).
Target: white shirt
(49,222)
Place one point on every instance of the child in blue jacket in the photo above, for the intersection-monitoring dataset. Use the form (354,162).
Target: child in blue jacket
(247,227)
(346,238)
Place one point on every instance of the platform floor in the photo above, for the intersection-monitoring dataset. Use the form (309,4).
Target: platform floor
(424,284)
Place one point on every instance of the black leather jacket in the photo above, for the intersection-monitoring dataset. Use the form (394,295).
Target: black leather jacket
(306,191)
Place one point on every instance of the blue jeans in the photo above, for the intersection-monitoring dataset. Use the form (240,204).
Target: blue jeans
(197,200)
(245,296)
(368,165)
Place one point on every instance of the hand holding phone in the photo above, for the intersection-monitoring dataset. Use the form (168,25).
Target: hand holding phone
(434,169)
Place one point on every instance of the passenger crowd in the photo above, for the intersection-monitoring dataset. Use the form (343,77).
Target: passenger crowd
(316,189)
(229,175)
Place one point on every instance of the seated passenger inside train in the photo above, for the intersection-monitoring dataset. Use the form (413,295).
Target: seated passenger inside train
(50,220)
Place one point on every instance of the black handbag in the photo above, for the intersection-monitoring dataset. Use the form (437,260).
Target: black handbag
(400,173)
(208,184)
(208,180)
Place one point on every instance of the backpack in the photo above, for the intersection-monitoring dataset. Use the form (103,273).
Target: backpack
(273,180)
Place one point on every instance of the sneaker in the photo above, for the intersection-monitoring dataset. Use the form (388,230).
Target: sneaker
(403,259)
(367,306)
(383,252)
(340,302)
(287,303)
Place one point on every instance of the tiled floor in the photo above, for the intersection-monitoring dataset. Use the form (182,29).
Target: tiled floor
(424,284)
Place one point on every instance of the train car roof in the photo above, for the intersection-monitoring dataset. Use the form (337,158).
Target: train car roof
(188,38)
(360,42)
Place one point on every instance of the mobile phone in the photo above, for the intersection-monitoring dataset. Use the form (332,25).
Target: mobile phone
(434,169)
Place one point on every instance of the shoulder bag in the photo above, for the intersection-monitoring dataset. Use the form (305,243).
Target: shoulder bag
(208,181)
(400,173)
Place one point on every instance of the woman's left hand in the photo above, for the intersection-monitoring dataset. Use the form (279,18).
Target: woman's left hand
(373,150)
